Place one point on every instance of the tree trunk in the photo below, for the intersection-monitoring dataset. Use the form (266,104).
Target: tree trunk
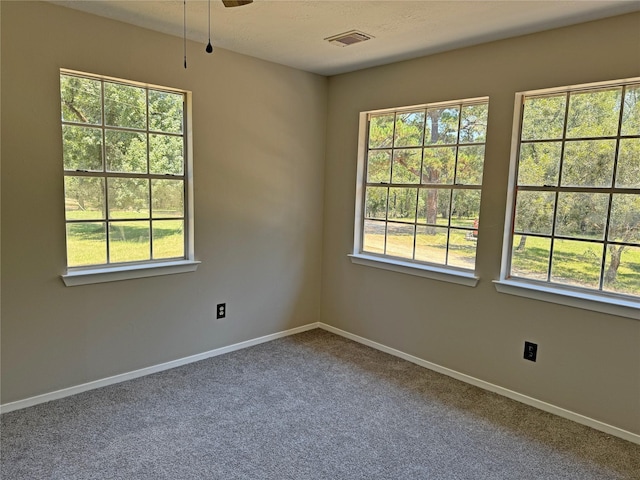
(612,271)
(523,241)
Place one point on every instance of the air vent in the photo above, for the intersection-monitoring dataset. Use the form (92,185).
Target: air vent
(348,38)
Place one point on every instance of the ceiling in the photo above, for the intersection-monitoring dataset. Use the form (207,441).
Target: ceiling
(292,32)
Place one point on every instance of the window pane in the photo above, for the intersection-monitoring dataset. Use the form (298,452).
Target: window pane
(624,224)
(86,244)
(470,165)
(622,270)
(530,257)
(399,240)
(81,100)
(576,263)
(126,151)
(543,117)
(406,166)
(84,198)
(166,154)
(381,131)
(167,198)
(128,197)
(582,215)
(168,239)
(402,204)
(588,163)
(82,148)
(431,244)
(534,212)
(125,106)
(379,166)
(375,205)
(433,206)
(628,174)
(165,111)
(409,129)
(438,165)
(465,208)
(442,125)
(462,249)
(473,128)
(373,237)
(539,163)
(129,241)
(594,113)
(631,112)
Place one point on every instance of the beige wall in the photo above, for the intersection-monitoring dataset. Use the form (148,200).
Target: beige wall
(587,362)
(258,140)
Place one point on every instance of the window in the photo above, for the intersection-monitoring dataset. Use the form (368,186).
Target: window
(574,219)
(126,183)
(420,184)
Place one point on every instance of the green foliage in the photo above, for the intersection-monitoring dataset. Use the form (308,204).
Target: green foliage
(406,165)
(539,163)
(631,111)
(628,174)
(81,100)
(543,117)
(126,151)
(470,165)
(125,106)
(473,125)
(594,113)
(379,166)
(438,165)
(381,131)
(409,129)
(588,163)
(82,148)
(582,215)
(128,197)
(534,212)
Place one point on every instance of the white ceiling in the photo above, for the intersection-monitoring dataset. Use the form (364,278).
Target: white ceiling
(292,32)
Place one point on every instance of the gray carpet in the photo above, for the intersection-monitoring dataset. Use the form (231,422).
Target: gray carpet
(310,406)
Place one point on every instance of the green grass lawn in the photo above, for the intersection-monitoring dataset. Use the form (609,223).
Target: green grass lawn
(129,242)
(574,263)
(430,248)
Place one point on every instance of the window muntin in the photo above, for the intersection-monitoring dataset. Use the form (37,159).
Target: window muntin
(422,183)
(575,217)
(125,182)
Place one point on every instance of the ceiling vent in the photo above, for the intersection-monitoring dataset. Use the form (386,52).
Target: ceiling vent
(348,38)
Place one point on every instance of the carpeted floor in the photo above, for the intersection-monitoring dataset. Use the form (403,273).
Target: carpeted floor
(311,406)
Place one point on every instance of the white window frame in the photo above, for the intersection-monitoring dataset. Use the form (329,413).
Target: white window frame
(588,299)
(83,275)
(439,272)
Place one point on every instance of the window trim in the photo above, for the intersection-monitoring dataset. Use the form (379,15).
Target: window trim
(586,299)
(84,275)
(434,271)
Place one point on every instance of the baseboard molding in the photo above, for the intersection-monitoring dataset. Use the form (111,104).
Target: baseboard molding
(547,407)
(533,402)
(66,392)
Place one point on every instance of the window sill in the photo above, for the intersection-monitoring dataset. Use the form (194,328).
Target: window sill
(587,301)
(419,270)
(127,272)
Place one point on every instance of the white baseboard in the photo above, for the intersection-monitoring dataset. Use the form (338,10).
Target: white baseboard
(547,407)
(66,392)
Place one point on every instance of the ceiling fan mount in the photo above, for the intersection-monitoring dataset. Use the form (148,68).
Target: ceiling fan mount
(236,3)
